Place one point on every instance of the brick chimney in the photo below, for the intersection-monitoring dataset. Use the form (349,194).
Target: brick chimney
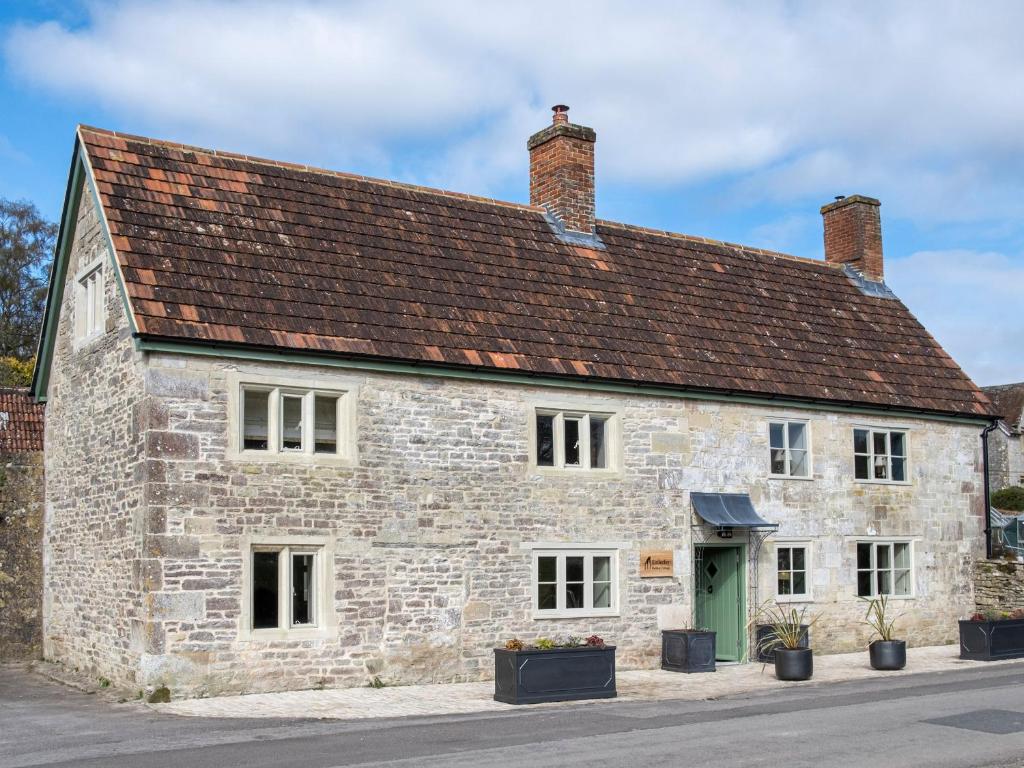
(853,234)
(562,171)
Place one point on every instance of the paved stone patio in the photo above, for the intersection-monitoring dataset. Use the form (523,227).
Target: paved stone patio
(637,685)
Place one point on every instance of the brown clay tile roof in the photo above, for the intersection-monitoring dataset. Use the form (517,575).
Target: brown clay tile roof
(1008,402)
(21,421)
(226,248)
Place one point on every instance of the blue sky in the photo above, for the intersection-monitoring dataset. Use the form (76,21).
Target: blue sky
(733,121)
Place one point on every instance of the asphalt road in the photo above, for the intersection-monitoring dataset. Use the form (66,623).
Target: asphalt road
(963,718)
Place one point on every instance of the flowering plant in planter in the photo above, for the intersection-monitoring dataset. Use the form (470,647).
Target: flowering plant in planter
(992,614)
(551,669)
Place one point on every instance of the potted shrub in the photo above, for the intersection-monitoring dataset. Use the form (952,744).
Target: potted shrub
(789,630)
(993,635)
(688,650)
(547,670)
(885,652)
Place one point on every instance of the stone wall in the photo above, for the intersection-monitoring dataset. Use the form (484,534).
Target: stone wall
(95,478)
(427,532)
(21,562)
(998,585)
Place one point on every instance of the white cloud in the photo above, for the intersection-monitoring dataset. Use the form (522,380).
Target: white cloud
(970,301)
(794,99)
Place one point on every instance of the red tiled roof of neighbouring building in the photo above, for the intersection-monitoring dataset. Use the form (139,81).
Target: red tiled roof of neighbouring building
(21,421)
(1008,402)
(217,247)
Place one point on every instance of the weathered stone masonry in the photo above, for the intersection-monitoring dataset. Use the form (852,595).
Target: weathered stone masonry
(999,585)
(95,481)
(21,565)
(427,530)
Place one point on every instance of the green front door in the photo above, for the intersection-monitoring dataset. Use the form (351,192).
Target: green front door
(719,598)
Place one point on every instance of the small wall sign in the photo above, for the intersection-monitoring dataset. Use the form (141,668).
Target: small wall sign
(655,563)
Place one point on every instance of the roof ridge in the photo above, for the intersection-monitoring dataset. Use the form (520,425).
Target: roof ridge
(712,241)
(311,169)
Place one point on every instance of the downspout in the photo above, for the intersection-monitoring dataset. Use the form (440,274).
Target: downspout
(988,502)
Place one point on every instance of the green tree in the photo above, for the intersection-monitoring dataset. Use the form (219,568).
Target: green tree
(1009,499)
(26,249)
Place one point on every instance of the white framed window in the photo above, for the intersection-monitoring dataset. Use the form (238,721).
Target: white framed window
(575,582)
(885,568)
(789,449)
(880,455)
(574,440)
(284,586)
(793,571)
(89,302)
(272,419)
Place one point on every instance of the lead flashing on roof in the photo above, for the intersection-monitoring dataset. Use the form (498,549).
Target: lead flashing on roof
(569,237)
(874,288)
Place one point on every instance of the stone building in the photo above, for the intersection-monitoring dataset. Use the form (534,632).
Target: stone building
(1006,444)
(306,428)
(21,525)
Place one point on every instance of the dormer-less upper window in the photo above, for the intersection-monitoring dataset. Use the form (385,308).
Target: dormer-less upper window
(89,314)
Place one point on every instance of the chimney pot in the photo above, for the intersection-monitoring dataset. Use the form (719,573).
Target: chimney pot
(562,171)
(853,234)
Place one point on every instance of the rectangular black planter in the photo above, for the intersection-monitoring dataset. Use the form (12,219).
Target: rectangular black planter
(991,640)
(685,650)
(534,676)
(764,633)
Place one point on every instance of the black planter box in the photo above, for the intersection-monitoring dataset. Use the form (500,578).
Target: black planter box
(794,663)
(534,676)
(888,655)
(684,650)
(764,633)
(991,640)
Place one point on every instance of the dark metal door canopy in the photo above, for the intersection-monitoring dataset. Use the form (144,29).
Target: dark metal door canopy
(726,511)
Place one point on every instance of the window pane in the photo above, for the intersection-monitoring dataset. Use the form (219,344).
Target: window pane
(902,555)
(798,436)
(775,435)
(597,430)
(291,422)
(883,556)
(602,569)
(574,569)
(885,582)
(860,441)
(574,595)
(863,556)
(899,470)
(572,442)
(902,582)
(864,583)
(545,440)
(547,597)
(778,461)
(898,443)
(547,569)
(799,583)
(860,468)
(878,443)
(798,559)
(255,420)
(264,590)
(785,561)
(325,424)
(784,583)
(798,463)
(602,595)
(302,589)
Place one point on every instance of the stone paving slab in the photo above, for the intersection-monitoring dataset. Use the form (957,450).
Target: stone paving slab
(633,685)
